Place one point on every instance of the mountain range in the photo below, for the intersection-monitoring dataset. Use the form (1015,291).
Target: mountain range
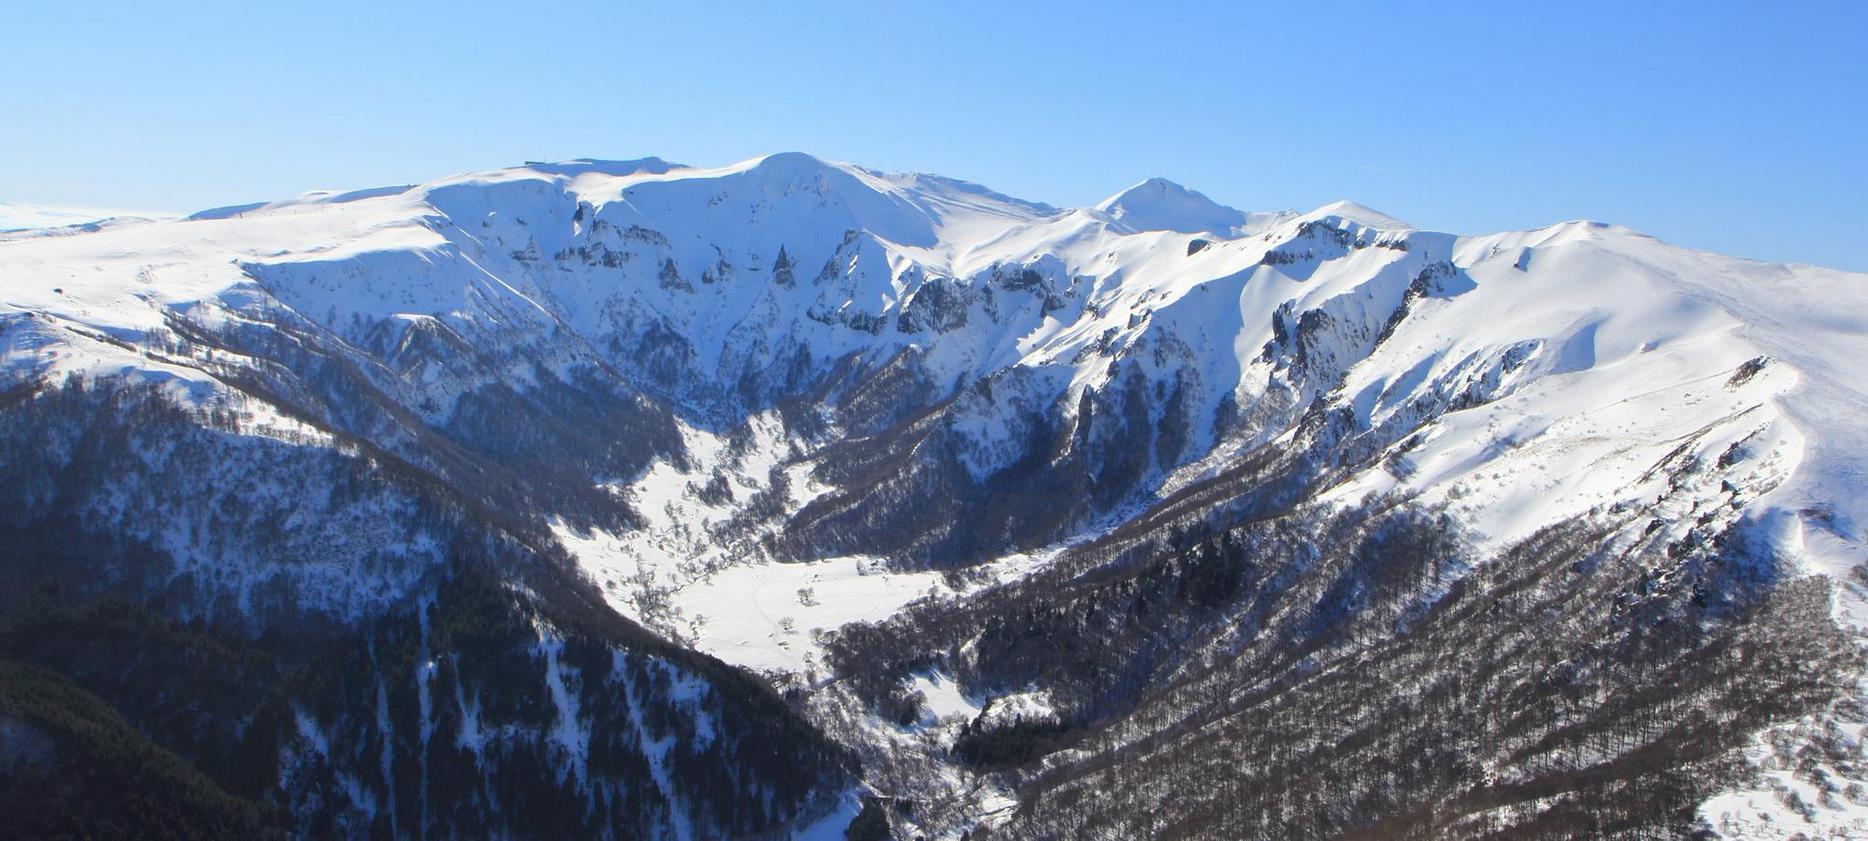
(797,499)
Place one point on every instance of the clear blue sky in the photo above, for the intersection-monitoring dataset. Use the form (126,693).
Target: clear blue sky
(1736,127)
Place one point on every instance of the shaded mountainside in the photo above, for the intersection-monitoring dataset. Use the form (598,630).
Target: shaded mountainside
(1251,683)
(468,717)
(71,767)
(474,687)
(628,499)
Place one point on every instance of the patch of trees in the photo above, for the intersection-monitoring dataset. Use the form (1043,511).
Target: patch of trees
(440,719)
(1523,704)
(435,712)
(1009,745)
(71,767)
(1356,675)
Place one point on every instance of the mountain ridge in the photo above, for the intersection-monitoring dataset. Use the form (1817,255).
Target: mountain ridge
(968,238)
(854,400)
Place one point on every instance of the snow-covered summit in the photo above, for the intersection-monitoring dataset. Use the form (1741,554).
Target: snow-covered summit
(1360,214)
(1158,204)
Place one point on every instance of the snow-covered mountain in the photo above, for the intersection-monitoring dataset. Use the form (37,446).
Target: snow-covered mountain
(21,217)
(851,430)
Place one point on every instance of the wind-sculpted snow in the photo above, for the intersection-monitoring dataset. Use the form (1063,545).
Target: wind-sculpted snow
(909,391)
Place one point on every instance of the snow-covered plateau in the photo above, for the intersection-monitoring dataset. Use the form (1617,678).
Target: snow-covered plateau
(984,506)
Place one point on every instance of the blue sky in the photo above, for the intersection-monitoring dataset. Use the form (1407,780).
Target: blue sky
(1736,127)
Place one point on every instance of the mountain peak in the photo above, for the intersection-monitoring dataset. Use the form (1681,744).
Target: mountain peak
(1158,204)
(796,165)
(1360,214)
(799,159)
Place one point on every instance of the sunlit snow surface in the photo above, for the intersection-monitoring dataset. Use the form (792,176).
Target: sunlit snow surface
(1600,351)
(21,217)
(732,603)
